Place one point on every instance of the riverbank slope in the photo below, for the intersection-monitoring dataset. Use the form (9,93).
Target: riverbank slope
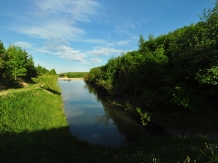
(33,129)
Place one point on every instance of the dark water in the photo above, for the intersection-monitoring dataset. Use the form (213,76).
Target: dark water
(93,119)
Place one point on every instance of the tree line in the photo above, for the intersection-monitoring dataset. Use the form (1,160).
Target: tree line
(16,63)
(73,74)
(178,70)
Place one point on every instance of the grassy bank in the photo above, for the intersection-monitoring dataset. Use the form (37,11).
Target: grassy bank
(33,129)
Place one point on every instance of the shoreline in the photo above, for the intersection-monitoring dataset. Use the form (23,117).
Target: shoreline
(70,78)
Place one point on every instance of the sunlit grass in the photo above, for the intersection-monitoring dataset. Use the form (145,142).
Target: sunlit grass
(30,111)
(50,83)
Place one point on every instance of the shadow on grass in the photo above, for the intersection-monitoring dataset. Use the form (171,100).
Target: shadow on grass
(11,83)
(52,91)
(55,145)
(14,84)
(58,145)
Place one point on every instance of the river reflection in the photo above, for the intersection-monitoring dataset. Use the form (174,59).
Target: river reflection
(91,118)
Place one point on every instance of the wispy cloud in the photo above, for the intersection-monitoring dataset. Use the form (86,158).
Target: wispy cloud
(71,54)
(95,41)
(104,51)
(42,50)
(63,51)
(95,60)
(122,42)
(24,45)
(57,19)
(124,29)
(119,43)
(79,10)
(51,29)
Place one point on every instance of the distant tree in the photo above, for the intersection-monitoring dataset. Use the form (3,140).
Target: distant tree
(16,65)
(41,70)
(141,41)
(52,72)
(68,75)
(31,69)
(150,37)
(2,59)
(38,70)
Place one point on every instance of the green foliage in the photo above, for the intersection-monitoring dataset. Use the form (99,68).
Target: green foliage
(16,64)
(52,72)
(128,106)
(30,111)
(141,41)
(74,74)
(49,82)
(145,118)
(33,128)
(209,76)
(41,70)
(210,152)
(175,71)
(31,69)
(2,59)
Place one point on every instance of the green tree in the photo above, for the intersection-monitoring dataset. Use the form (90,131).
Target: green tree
(52,72)
(2,59)
(31,69)
(141,41)
(16,65)
(41,70)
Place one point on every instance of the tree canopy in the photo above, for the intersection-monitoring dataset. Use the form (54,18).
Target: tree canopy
(175,70)
(16,63)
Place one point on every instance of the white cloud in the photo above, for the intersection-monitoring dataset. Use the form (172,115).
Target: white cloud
(55,28)
(122,42)
(104,51)
(80,10)
(71,54)
(63,51)
(42,50)
(57,19)
(95,60)
(95,41)
(124,29)
(24,45)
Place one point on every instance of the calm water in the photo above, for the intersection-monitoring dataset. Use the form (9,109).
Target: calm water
(92,119)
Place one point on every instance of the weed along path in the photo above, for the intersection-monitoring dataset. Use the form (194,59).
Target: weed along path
(93,119)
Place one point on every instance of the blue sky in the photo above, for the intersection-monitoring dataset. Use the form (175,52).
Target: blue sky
(77,35)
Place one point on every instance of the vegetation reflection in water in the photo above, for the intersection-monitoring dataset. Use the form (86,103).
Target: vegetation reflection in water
(92,119)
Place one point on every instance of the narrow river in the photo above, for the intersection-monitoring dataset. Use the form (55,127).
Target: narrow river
(92,119)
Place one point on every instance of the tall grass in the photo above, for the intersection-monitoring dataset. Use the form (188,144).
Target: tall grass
(49,82)
(30,111)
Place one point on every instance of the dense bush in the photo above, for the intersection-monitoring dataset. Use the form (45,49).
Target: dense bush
(178,70)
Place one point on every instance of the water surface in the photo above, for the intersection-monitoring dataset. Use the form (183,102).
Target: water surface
(93,119)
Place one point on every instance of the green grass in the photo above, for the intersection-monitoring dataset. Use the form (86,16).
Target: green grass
(33,129)
(30,111)
(49,82)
